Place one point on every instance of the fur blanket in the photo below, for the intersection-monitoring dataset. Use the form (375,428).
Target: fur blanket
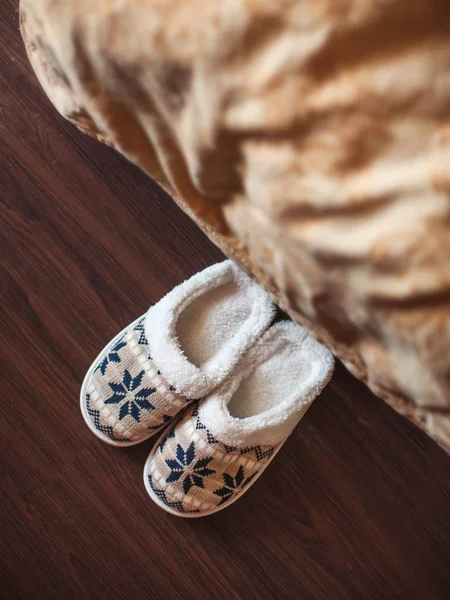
(310,140)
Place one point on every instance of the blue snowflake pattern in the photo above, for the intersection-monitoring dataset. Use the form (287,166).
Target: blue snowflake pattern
(183,466)
(142,337)
(127,388)
(231,485)
(112,356)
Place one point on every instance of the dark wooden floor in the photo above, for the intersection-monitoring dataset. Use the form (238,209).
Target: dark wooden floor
(356,504)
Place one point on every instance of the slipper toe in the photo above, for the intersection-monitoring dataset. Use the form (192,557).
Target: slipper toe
(126,398)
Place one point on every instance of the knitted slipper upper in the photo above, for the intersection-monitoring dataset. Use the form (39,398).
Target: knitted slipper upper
(127,397)
(191,471)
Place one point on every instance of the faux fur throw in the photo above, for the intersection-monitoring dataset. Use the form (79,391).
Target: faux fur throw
(310,139)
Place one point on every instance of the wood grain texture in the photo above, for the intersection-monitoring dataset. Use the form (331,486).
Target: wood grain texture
(356,504)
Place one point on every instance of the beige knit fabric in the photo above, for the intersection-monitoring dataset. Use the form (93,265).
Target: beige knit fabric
(190,471)
(127,398)
(309,138)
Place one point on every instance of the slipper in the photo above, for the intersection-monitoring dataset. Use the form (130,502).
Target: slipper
(179,351)
(219,447)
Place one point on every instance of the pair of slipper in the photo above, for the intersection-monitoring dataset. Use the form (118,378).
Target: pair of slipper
(226,390)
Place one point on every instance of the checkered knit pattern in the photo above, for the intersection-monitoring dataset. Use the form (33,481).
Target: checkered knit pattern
(192,472)
(127,398)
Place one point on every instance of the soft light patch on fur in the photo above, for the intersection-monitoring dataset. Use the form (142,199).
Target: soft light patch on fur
(271,390)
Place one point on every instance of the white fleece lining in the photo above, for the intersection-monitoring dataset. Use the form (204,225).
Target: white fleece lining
(161,322)
(274,424)
(206,324)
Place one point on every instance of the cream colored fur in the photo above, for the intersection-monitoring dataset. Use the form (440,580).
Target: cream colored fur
(223,335)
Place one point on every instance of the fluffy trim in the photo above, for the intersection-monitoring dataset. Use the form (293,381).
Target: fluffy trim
(160,328)
(270,427)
